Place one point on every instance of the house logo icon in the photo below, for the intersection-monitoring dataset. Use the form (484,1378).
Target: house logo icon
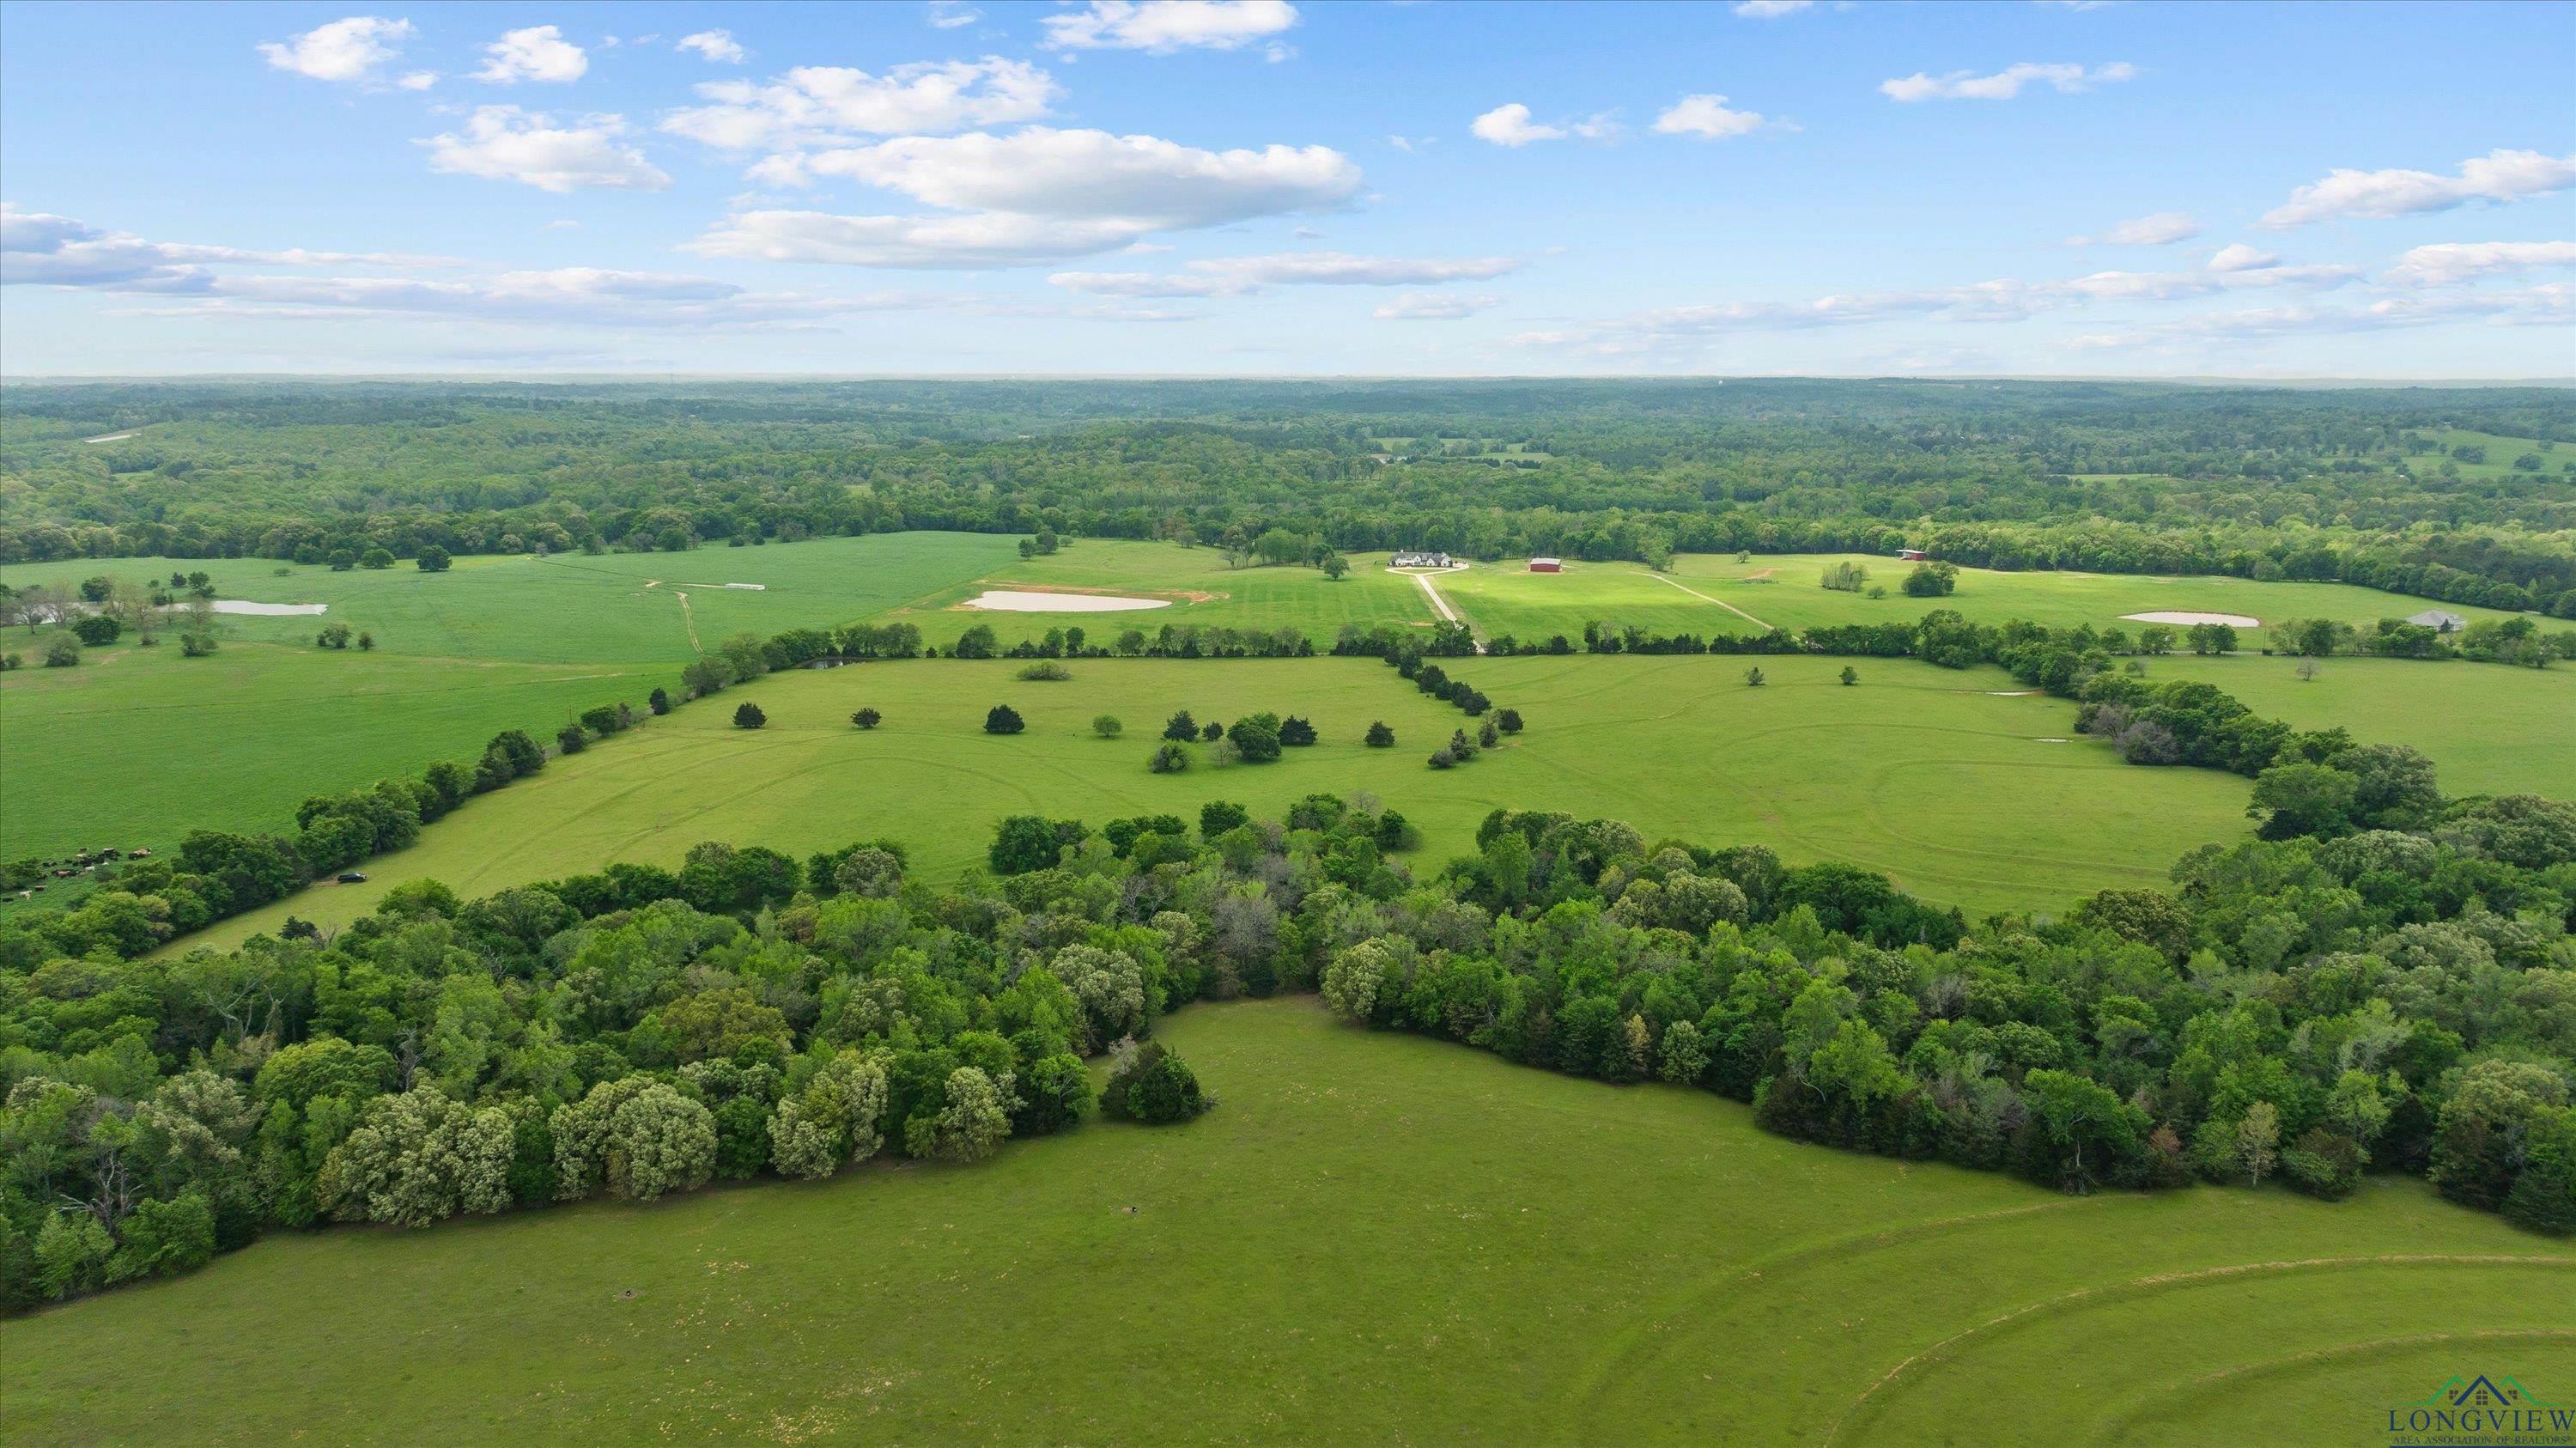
(2485,1410)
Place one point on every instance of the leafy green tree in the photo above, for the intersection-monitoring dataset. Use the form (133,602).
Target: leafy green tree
(867,718)
(748,715)
(978,642)
(2258,1140)
(1149,1084)
(1380,736)
(1022,843)
(1108,726)
(2299,799)
(969,1126)
(832,1122)
(434,559)
(97,630)
(1108,986)
(2482,1137)
(71,1253)
(1003,719)
(1753,676)
(376,558)
(659,701)
(418,1158)
(635,1136)
(1181,728)
(1255,741)
(1055,1092)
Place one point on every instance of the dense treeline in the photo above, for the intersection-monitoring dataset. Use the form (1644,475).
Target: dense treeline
(635,1032)
(142,906)
(2395,1000)
(2111,477)
(2312,1007)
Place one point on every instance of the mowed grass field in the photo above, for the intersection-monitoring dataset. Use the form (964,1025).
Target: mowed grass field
(1373,1239)
(137,746)
(1942,779)
(1703,594)
(574,608)
(1200,588)
(2489,728)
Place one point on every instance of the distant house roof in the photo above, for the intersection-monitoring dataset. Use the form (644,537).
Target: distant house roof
(2439,618)
(1546,562)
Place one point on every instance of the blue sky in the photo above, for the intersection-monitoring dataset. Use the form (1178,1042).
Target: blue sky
(1268,188)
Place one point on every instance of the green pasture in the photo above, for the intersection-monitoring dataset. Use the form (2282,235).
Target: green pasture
(574,608)
(1700,592)
(2490,729)
(136,746)
(1197,588)
(2501,451)
(1963,791)
(1372,1239)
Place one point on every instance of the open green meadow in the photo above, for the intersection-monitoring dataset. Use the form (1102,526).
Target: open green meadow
(2489,728)
(1198,585)
(574,608)
(1374,1238)
(138,746)
(1711,594)
(1964,791)
(2500,453)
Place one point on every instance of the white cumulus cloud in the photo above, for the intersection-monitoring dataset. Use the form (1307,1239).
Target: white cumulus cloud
(2451,262)
(1244,275)
(348,49)
(1509,125)
(1144,181)
(1037,195)
(2003,85)
(538,53)
(953,14)
(822,105)
(1435,306)
(2162,229)
(2240,257)
(2495,176)
(506,143)
(1161,27)
(715,45)
(38,248)
(1707,117)
(1771,9)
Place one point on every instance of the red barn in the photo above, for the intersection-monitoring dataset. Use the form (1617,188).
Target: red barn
(1910,555)
(1547,565)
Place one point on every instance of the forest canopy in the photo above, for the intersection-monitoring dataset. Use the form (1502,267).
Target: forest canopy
(2356,484)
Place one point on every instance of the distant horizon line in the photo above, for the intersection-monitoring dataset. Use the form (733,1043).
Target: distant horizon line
(539,378)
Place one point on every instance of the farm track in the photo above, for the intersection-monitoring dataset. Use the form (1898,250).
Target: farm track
(1722,603)
(1440,606)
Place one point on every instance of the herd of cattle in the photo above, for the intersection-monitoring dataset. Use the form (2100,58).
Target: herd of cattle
(84,863)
